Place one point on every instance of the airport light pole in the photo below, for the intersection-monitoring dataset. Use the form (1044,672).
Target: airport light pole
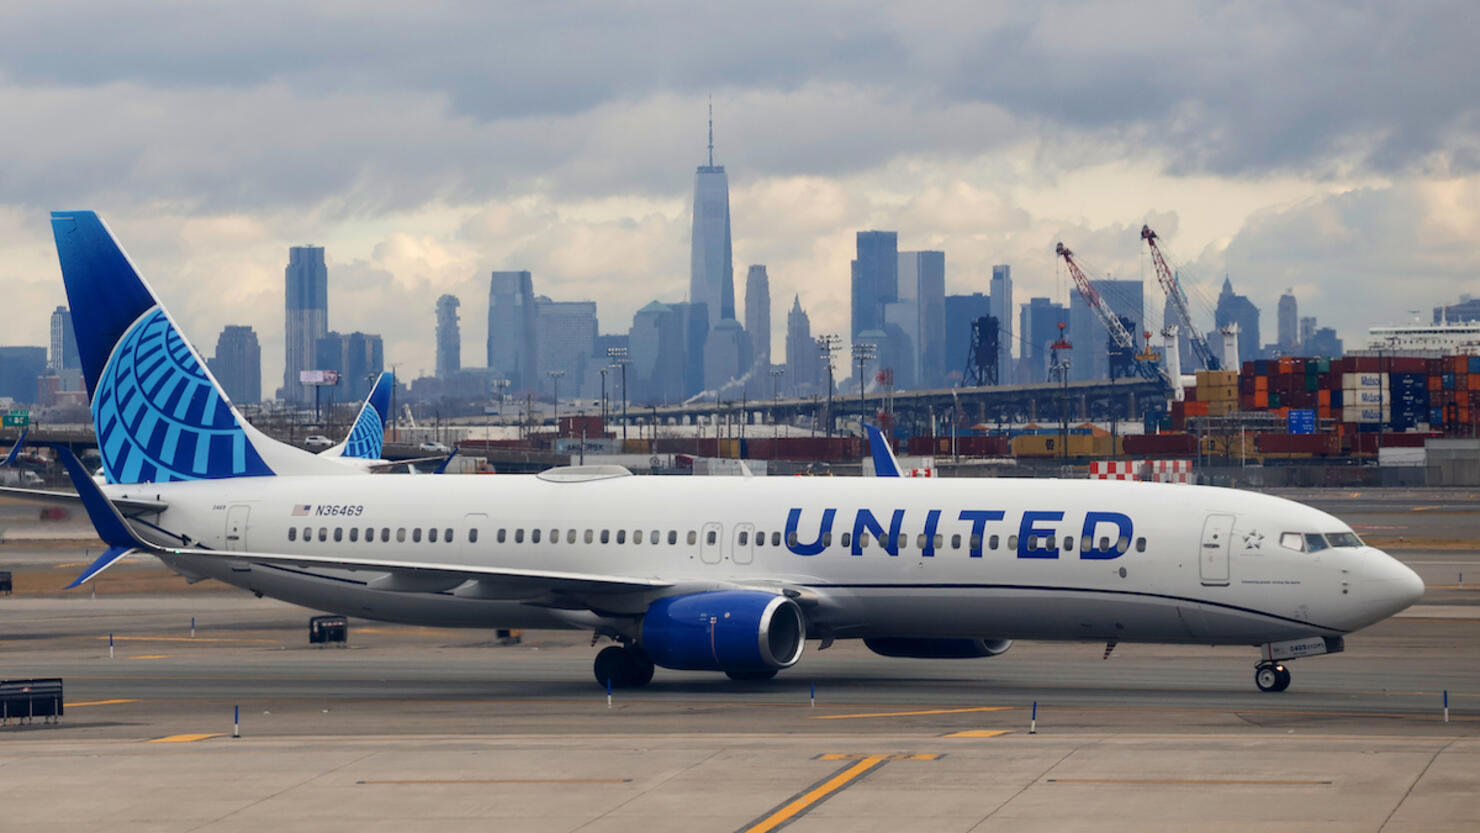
(603,399)
(502,386)
(863,353)
(775,399)
(618,355)
(827,344)
(555,378)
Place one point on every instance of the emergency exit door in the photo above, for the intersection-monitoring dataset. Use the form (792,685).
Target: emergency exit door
(1212,561)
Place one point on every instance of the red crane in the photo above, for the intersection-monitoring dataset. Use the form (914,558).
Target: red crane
(1118,333)
(1169,284)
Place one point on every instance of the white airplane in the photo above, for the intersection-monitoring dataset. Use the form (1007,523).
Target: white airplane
(720,574)
(363,445)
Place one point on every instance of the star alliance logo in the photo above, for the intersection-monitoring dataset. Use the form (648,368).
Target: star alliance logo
(1252,540)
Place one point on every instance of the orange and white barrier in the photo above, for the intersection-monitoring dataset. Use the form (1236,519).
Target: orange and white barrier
(1153,471)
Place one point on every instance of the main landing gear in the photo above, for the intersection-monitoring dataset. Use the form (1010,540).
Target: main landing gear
(623,667)
(1271,676)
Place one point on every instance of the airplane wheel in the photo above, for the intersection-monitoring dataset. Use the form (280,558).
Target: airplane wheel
(1268,677)
(1284,679)
(745,676)
(623,667)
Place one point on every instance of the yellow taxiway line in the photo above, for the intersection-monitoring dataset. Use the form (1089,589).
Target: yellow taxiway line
(815,795)
(98,703)
(185,738)
(913,713)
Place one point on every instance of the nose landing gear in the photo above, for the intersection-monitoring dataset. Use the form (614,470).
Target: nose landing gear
(1271,676)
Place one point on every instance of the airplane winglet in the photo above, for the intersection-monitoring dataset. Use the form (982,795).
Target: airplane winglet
(105,519)
(884,463)
(442,466)
(15,450)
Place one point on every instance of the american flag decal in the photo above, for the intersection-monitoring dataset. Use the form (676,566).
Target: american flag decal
(301,509)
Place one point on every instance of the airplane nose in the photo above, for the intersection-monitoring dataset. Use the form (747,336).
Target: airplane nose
(1394,583)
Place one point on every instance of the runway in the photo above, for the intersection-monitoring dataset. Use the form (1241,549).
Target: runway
(410,726)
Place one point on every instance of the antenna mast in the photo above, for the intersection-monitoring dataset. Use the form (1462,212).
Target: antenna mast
(711,131)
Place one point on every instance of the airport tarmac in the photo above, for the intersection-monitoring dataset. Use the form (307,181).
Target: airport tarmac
(413,727)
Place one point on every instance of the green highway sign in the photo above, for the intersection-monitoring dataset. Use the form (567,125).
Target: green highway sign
(15,419)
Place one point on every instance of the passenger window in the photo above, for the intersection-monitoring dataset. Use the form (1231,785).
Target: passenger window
(1104,543)
(976,543)
(1012,542)
(432,535)
(955,542)
(920,541)
(534,536)
(1314,542)
(940,540)
(292,533)
(416,535)
(656,537)
(621,536)
(693,537)
(1122,545)
(826,539)
(711,537)
(472,536)
(369,534)
(791,539)
(993,541)
(323,533)
(519,535)
(744,538)
(447,535)
(672,537)
(606,536)
(760,539)
(863,541)
(904,541)
(385,534)
(570,536)
(1032,542)
(1068,544)
(846,539)
(637,536)
(501,536)
(589,539)
(1140,545)
(554,536)
(775,539)
(1292,541)
(354,534)
(400,535)
(308,533)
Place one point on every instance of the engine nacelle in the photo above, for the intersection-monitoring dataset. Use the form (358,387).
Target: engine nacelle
(912,648)
(724,630)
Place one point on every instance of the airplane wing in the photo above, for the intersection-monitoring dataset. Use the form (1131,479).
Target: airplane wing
(128,506)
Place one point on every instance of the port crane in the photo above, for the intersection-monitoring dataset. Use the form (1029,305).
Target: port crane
(1119,335)
(1173,289)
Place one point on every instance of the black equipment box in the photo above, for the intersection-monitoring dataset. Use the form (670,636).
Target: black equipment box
(323,630)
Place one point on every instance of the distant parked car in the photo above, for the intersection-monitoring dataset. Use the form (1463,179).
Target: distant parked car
(434,447)
(318,441)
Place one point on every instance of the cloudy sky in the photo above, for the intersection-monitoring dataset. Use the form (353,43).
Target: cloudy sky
(1330,148)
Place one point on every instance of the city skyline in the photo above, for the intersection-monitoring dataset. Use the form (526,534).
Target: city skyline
(1366,205)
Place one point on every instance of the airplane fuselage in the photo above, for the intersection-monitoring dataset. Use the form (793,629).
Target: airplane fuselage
(1012,558)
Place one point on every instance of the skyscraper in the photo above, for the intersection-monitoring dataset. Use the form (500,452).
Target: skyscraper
(1090,358)
(237,364)
(511,329)
(19,369)
(711,266)
(803,363)
(449,337)
(655,349)
(63,354)
(1039,326)
(875,279)
(1002,310)
(1288,320)
(359,359)
(307,292)
(1234,308)
(922,299)
(758,315)
(725,352)
(961,311)
(566,341)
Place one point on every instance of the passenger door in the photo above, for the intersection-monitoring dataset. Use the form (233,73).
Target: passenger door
(744,543)
(711,543)
(236,528)
(1212,561)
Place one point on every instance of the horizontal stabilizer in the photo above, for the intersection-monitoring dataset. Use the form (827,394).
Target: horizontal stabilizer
(103,562)
(105,519)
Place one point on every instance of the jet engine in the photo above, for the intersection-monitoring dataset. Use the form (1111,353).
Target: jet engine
(740,632)
(899,646)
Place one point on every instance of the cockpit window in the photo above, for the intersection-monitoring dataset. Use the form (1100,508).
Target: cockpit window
(1314,542)
(1343,539)
(1292,541)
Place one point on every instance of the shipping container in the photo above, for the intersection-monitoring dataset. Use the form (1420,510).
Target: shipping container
(1160,445)
(1314,444)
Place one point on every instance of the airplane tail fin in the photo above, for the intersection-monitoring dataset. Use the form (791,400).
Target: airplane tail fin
(15,450)
(158,412)
(885,465)
(366,439)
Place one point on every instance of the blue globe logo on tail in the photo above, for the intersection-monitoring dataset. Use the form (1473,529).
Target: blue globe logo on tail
(367,438)
(158,415)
